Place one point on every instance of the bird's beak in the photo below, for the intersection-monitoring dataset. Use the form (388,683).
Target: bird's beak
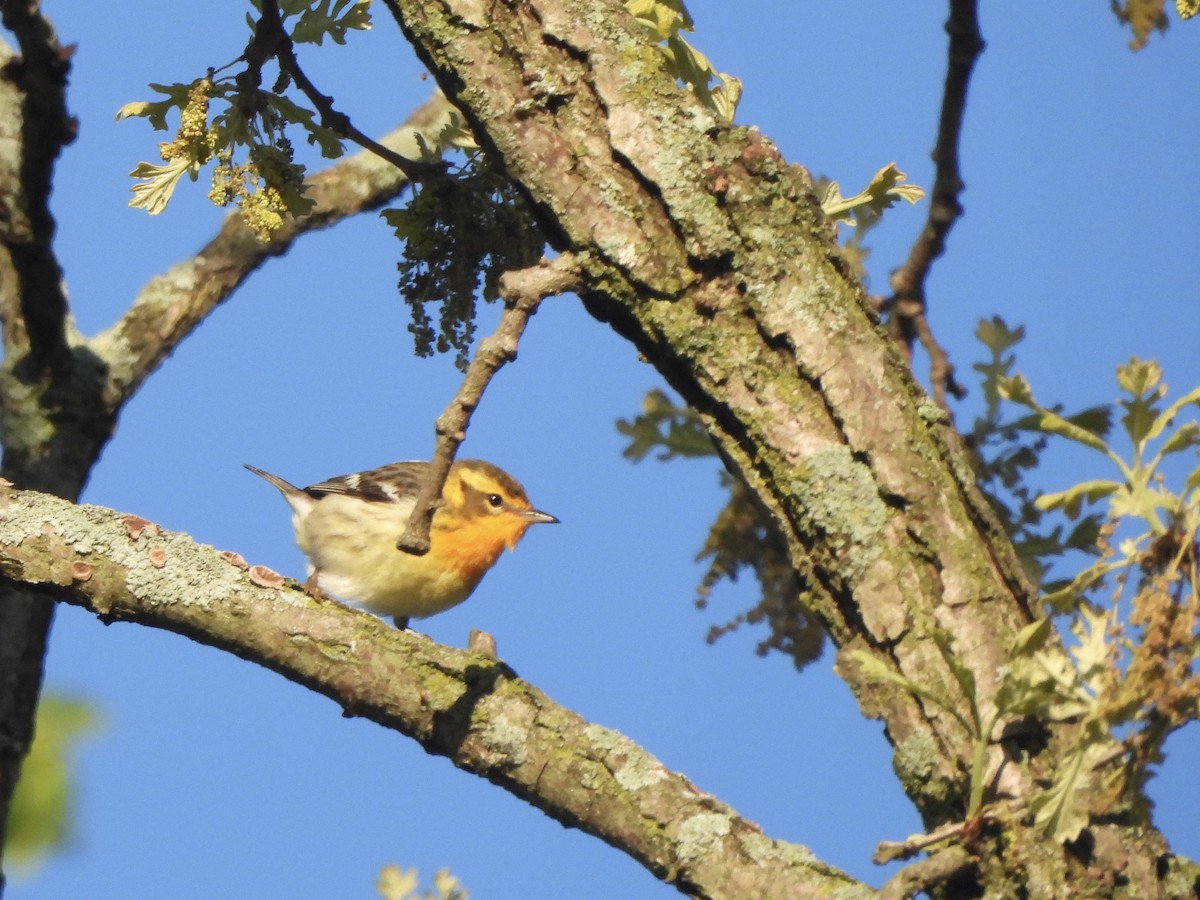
(536,515)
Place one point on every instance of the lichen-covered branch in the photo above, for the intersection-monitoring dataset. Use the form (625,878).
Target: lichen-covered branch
(701,245)
(466,706)
(60,394)
(908,322)
(706,249)
(523,290)
(37,378)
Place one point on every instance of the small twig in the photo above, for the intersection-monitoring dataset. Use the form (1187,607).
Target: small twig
(920,876)
(890,851)
(907,305)
(270,39)
(522,291)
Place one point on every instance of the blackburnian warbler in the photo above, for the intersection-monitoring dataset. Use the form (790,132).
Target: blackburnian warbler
(348,528)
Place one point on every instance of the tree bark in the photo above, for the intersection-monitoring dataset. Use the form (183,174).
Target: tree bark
(709,252)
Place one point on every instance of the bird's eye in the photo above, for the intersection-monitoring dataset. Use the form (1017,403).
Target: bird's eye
(495,501)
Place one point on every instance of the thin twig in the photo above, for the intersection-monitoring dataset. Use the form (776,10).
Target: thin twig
(907,305)
(270,39)
(522,291)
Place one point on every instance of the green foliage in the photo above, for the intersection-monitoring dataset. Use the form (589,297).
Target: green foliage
(666,20)
(740,539)
(1131,676)
(39,817)
(246,141)
(318,19)
(674,429)
(460,234)
(393,884)
(1006,450)
(1126,681)
(885,188)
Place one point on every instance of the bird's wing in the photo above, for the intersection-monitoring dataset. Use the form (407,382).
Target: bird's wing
(392,483)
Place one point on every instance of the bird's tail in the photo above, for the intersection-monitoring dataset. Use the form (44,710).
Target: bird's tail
(288,490)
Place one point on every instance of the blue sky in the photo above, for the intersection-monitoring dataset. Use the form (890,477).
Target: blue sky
(212,778)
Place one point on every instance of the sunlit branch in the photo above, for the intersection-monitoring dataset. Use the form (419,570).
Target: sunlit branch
(522,291)
(907,307)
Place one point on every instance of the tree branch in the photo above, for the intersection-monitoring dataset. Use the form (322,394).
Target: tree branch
(922,876)
(908,305)
(271,40)
(464,706)
(702,246)
(174,303)
(40,76)
(523,290)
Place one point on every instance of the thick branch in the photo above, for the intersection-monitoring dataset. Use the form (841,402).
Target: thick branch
(467,707)
(27,232)
(702,246)
(908,305)
(522,291)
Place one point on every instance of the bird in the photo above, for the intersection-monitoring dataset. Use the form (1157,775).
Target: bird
(348,528)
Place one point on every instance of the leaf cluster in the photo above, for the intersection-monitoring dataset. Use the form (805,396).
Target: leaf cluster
(666,20)
(246,139)
(886,187)
(1128,681)
(1005,451)
(39,816)
(461,232)
(395,884)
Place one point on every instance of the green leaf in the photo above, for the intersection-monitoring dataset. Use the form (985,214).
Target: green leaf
(1139,501)
(320,135)
(1164,419)
(332,18)
(1187,8)
(994,334)
(885,188)
(1093,652)
(1032,637)
(1096,419)
(1192,482)
(875,668)
(1057,811)
(676,429)
(964,676)
(1138,377)
(156,111)
(1072,499)
(1053,423)
(1016,390)
(159,183)
(1187,435)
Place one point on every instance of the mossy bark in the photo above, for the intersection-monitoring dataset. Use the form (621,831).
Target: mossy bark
(708,251)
